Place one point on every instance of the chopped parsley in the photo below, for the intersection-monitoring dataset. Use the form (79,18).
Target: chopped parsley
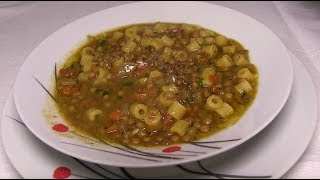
(127,83)
(189,100)
(103,42)
(103,92)
(244,94)
(200,82)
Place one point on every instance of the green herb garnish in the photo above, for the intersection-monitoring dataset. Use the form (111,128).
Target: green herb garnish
(103,42)
(127,83)
(189,100)
(200,82)
(244,94)
(209,61)
(102,92)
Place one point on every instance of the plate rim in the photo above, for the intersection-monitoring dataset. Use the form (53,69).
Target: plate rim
(317,103)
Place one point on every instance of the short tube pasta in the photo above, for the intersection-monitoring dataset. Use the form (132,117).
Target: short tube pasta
(193,45)
(210,50)
(199,40)
(166,54)
(102,73)
(165,98)
(224,62)
(117,35)
(148,32)
(102,76)
(208,32)
(221,41)
(167,41)
(180,127)
(225,110)
(153,119)
(83,77)
(206,75)
(85,61)
(131,32)
(204,33)
(170,88)
(157,43)
(187,28)
(145,42)
(244,86)
(92,113)
(143,81)
(88,50)
(177,110)
(138,111)
(229,49)
(245,73)
(155,74)
(118,63)
(129,47)
(214,102)
(160,27)
(240,60)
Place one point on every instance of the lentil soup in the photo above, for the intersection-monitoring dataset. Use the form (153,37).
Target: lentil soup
(156,84)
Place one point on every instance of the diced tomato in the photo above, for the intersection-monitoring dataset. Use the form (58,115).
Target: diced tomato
(195,34)
(214,79)
(195,110)
(114,70)
(168,121)
(94,69)
(141,97)
(143,94)
(115,115)
(189,109)
(141,72)
(203,55)
(112,129)
(178,29)
(69,90)
(72,71)
(65,73)
(152,92)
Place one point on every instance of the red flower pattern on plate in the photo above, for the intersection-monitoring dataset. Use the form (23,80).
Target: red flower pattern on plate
(172,149)
(62,173)
(60,128)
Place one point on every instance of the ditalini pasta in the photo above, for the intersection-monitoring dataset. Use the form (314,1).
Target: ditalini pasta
(176,110)
(224,62)
(244,86)
(245,73)
(138,111)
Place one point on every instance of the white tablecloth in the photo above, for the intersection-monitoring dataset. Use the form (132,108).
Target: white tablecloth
(25,25)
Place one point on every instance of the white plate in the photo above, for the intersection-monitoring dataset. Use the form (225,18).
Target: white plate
(266,51)
(271,153)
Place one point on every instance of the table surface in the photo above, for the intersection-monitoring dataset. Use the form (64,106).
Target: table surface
(23,26)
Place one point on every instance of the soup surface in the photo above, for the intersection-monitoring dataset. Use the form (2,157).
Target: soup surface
(155,84)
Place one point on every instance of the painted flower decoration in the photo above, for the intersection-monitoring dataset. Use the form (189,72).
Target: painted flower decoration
(62,173)
(60,128)
(172,149)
